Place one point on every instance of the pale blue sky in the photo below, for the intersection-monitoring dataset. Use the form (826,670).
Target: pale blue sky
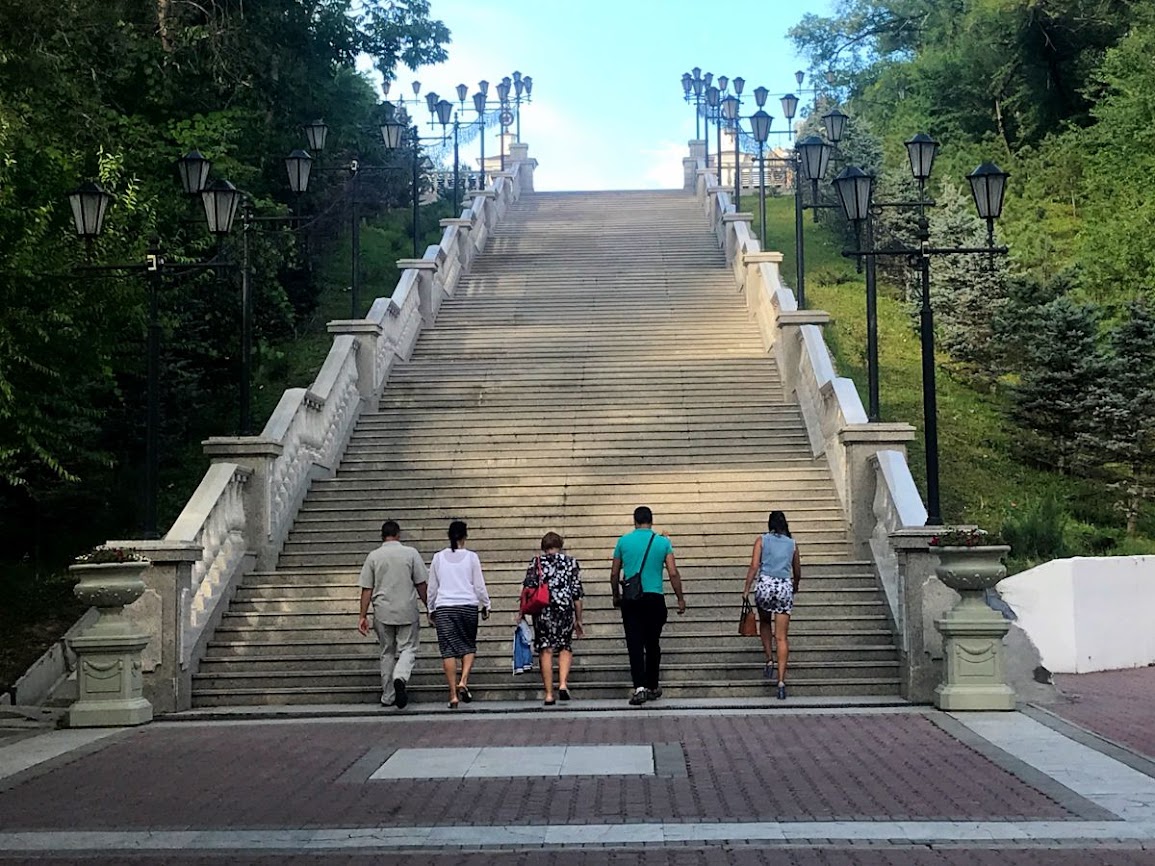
(607,109)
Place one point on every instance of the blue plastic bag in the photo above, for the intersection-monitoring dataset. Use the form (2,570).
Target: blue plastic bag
(522,648)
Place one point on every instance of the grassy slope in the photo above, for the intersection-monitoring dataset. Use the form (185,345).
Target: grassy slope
(982,481)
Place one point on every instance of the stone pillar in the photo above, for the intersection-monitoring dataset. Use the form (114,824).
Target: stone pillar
(862,442)
(367,334)
(519,153)
(161,611)
(731,245)
(426,290)
(464,245)
(924,599)
(697,148)
(256,455)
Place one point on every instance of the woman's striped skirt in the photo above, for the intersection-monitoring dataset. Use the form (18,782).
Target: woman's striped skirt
(456,630)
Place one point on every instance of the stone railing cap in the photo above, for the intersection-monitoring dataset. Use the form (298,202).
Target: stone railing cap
(417,264)
(877,431)
(738,217)
(768,256)
(481,193)
(353,326)
(790,318)
(242,446)
(160,550)
(460,222)
(916,538)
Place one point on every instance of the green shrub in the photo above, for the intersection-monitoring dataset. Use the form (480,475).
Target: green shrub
(1036,532)
(1088,539)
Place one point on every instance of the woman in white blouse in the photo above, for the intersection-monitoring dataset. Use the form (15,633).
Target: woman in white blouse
(456,591)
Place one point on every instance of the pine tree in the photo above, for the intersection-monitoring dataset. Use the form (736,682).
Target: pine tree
(1120,423)
(1053,396)
(968,291)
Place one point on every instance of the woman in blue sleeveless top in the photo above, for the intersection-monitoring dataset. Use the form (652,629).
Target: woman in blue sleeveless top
(776,565)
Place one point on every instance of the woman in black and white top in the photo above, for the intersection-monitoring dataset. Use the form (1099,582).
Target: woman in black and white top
(561,621)
(456,591)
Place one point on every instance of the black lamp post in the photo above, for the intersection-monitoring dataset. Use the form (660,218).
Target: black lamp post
(760,124)
(89,203)
(713,111)
(988,187)
(479,106)
(503,100)
(730,108)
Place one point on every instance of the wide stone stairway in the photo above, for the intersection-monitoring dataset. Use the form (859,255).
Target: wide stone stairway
(597,357)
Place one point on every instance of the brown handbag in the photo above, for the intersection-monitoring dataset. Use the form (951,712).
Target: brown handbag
(748,620)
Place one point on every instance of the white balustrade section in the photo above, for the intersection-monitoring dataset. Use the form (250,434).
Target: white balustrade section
(242,511)
(213,520)
(867,460)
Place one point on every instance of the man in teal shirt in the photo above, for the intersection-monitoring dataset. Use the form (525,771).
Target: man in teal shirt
(644,618)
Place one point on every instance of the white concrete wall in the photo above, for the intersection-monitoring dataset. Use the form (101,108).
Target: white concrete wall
(1087,613)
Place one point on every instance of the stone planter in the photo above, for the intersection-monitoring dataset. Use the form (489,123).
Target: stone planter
(108,653)
(972,633)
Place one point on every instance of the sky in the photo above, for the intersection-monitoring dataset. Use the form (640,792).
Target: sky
(607,110)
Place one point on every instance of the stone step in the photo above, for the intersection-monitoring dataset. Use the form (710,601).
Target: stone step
(426,674)
(341,603)
(527,687)
(364,657)
(496,642)
(264,630)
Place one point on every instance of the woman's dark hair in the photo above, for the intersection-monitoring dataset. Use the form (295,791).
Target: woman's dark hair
(457,533)
(551,541)
(777,523)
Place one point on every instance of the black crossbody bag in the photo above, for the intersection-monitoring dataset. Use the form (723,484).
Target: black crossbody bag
(632,585)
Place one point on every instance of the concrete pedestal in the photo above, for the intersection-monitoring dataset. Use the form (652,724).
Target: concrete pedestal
(973,676)
(109,669)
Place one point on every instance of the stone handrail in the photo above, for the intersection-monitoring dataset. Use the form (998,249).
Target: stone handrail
(239,516)
(867,459)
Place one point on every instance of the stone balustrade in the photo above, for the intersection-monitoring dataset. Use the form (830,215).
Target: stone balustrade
(244,507)
(885,514)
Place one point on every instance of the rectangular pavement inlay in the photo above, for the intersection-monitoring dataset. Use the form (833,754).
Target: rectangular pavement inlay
(493,762)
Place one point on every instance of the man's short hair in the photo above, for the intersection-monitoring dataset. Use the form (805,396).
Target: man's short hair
(643,515)
(390,529)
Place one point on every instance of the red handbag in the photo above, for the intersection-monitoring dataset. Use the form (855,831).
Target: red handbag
(535,599)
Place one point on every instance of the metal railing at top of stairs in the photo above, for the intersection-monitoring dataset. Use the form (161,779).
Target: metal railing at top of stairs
(867,459)
(240,514)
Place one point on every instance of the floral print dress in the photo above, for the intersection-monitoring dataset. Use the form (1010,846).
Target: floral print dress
(553,627)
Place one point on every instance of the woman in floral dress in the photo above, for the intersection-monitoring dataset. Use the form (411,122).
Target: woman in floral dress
(560,622)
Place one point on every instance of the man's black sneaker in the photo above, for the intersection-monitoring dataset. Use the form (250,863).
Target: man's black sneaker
(638,697)
(653,694)
(402,695)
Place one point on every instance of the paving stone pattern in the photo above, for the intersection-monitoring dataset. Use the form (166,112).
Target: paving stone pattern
(774,855)
(898,767)
(1118,705)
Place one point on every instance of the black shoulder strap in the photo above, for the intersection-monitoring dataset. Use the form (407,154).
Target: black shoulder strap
(646,555)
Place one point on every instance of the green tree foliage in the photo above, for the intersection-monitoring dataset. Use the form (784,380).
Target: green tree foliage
(117,90)
(1052,398)
(1120,421)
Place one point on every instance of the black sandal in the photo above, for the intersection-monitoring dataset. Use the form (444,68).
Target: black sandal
(563,694)
(550,702)
(464,693)
(453,705)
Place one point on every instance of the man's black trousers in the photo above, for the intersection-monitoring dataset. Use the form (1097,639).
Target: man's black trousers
(643,620)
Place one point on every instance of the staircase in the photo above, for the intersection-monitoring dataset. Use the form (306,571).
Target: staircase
(596,358)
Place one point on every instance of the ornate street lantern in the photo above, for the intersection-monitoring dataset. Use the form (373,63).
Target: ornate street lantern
(723,82)
(789,106)
(392,134)
(799,76)
(988,186)
(921,150)
(730,108)
(479,102)
(854,187)
(835,123)
(713,96)
(444,111)
(299,164)
(89,203)
(193,169)
(462,92)
(528,82)
(760,122)
(760,94)
(739,85)
(220,200)
(315,134)
(483,86)
(815,155)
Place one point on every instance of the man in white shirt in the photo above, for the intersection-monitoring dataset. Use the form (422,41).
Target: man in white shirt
(392,579)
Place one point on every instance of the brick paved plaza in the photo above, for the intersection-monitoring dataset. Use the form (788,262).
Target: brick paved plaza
(737,786)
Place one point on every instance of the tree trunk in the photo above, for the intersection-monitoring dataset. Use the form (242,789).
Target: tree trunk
(163,10)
